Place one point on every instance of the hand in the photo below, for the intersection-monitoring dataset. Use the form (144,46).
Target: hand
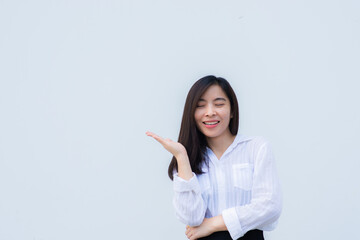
(205,229)
(175,148)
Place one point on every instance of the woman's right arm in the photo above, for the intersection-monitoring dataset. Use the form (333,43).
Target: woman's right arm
(184,168)
(189,205)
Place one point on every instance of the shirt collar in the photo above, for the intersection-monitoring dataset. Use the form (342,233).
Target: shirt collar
(238,139)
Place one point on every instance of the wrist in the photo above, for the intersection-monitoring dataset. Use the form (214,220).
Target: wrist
(182,158)
(184,168)
(218,223)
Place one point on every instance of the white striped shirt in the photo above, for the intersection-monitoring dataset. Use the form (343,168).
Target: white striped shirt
(242,186)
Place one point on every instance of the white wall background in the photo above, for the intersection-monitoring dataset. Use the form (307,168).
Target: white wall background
(81,82)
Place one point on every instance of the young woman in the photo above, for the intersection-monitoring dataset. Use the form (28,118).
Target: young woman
(225,183)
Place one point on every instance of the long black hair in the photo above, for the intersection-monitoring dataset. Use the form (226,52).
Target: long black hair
(190,136)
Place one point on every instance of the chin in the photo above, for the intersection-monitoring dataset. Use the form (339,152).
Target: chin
(210,135)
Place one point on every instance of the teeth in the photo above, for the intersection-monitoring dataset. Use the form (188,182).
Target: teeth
(212,123)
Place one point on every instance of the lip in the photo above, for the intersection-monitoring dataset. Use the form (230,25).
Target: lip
(211,126)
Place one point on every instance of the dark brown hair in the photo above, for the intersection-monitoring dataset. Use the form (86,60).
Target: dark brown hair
(194,140)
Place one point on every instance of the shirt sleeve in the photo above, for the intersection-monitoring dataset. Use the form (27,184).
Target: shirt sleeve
(189,205)
(266,203)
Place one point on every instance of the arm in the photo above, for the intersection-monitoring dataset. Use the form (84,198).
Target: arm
(266,203)
(184,168)
(189,205)
(207,227)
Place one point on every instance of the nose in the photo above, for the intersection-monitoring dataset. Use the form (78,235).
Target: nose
(210,111)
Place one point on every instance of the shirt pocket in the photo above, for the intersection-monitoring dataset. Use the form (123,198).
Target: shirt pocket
(242,174)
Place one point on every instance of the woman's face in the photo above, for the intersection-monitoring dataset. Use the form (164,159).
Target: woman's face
(213,113)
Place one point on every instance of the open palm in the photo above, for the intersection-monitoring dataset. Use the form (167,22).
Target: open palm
(175,148)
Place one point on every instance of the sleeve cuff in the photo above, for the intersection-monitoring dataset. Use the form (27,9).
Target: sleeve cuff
(232,223)
(181,185)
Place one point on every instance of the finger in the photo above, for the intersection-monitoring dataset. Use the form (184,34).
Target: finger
(150,134)
(156,137)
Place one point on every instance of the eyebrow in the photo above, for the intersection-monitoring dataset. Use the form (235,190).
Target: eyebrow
(216,99)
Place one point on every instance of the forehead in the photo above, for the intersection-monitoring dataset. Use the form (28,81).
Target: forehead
(214,92)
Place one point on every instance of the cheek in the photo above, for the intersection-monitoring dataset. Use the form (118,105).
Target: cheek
(197,116)
(226,114)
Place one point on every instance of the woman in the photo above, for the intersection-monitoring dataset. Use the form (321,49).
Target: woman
(225,183)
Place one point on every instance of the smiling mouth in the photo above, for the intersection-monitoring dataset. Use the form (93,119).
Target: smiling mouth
(211,124)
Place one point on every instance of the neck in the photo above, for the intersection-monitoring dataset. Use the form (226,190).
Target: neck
(219,144)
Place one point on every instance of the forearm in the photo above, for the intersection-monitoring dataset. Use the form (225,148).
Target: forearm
(207,227)
(184,168)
